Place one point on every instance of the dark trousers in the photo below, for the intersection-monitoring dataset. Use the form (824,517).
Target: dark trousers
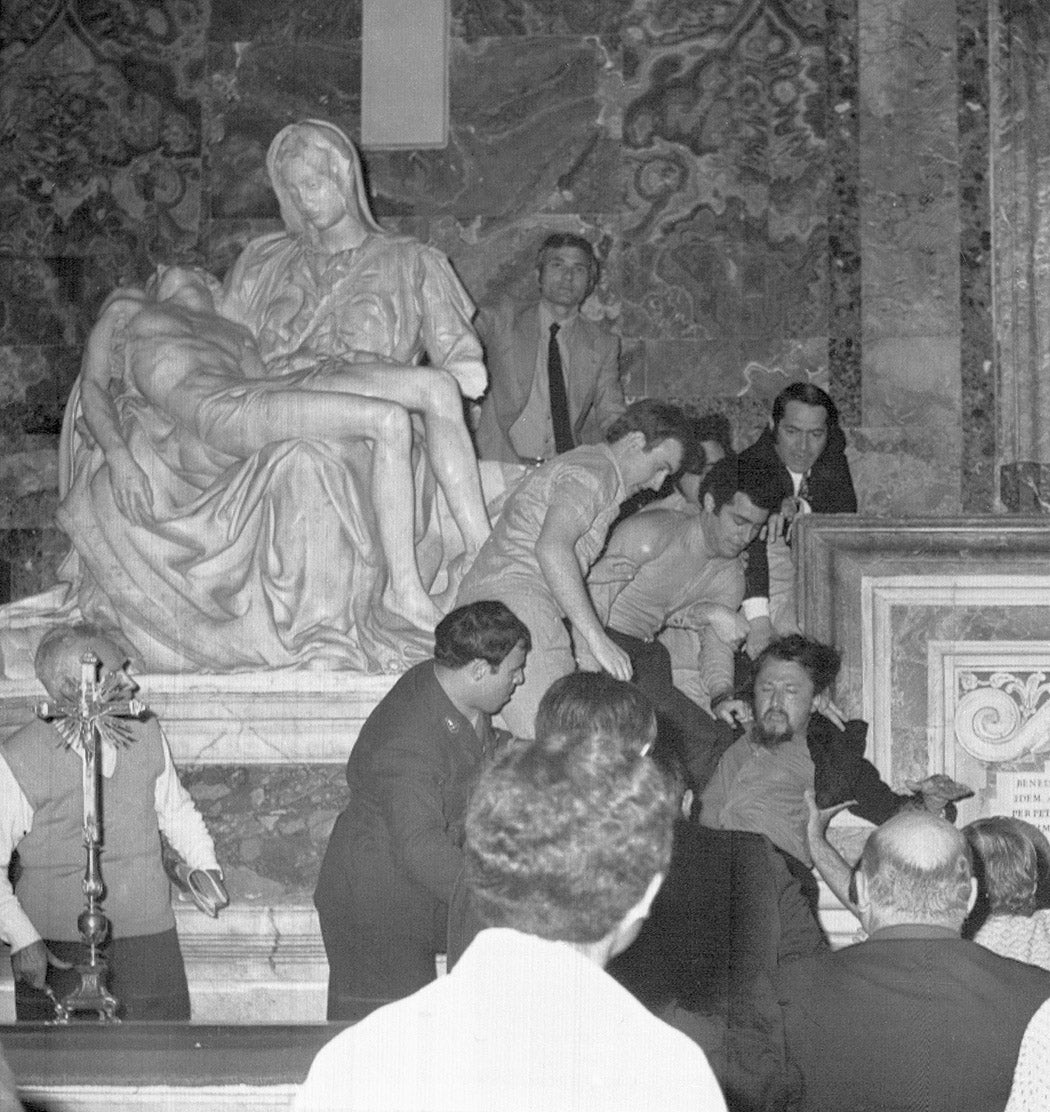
(699,738)
(367,969)
(146,975)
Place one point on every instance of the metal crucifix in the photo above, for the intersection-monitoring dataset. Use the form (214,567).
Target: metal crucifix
(94,715)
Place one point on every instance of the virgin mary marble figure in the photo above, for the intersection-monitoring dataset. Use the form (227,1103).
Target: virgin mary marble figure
(222,517)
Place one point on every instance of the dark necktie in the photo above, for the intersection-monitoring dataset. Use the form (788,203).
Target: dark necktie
(563,439)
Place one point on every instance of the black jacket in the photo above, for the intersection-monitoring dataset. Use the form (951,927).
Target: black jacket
(830,491)
(841,771)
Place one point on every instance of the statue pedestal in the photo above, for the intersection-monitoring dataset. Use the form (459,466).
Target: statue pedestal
(263,756)
(281,740)
(248,718)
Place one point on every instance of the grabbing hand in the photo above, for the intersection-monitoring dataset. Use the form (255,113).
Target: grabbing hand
(823,703)
(611,658)
(759,634)
(938,791)
(730,626)
(734,712)
(613,569)
(131,489)
(30,964)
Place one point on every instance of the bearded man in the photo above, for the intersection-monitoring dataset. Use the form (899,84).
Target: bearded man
(789,748)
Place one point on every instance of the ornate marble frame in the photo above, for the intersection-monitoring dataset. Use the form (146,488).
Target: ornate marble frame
(896,597)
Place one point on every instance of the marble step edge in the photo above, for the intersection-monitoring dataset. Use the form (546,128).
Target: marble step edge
(283,717)
(115,1098)
(271,939)
(275,942)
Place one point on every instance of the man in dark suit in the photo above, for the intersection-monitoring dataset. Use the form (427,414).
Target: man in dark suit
(802,455)
(915,1018)
(394,853)
(554,375)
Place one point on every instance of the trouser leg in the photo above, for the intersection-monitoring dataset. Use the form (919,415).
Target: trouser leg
(369,968)
(697,737)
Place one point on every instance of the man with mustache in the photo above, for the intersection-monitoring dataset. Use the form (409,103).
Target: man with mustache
(760,781)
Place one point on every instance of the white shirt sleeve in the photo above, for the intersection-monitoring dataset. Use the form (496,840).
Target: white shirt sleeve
(16,820)
(756,607)
(179,819)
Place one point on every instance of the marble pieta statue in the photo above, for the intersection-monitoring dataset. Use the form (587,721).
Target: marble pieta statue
(263,475)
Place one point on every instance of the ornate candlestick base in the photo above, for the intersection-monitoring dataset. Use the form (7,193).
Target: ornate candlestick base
(91,994)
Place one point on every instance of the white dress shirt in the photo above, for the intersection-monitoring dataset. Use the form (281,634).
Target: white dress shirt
(519,1025)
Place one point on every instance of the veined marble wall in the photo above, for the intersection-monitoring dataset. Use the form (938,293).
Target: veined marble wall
(780,188)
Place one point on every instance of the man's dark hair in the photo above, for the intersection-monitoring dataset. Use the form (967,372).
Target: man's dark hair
(570,239)
(1005,863)
(595,702)
(485,630)
(732,474)
(565,833)
(657,421)
(820,662)
(807,394)
(716,428)
(919,866)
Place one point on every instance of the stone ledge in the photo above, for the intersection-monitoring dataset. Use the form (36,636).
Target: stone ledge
(242,718)
(157,1098)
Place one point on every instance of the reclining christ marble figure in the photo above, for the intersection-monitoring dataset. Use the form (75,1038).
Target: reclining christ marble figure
(246,489)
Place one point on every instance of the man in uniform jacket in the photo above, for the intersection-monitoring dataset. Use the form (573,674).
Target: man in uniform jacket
(394,853)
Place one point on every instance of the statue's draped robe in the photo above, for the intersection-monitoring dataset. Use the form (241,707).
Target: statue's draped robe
(274,560)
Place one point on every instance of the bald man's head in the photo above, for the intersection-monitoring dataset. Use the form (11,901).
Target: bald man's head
(916,868)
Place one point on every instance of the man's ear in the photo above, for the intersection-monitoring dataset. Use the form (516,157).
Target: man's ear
(479,669)
(973,895)
(636,439)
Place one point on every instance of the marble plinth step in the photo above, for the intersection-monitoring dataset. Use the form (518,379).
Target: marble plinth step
(254,964)
(160,1066)
(259,964)
(245,718)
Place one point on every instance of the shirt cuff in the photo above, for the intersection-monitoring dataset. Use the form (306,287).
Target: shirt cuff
(755,608)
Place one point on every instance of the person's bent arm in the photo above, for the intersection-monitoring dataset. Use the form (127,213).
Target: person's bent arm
(29,955)
(555,552)
(831,865)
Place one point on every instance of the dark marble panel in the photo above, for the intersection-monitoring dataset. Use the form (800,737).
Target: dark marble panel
(726,221)
(51,302)
(103,156)
(285,20)
(975,259)
(256,90)
(474,19)
(1024,488)
(270,823)
(29,559)
(525,129)
(76,33)
(34,384)
(842,129)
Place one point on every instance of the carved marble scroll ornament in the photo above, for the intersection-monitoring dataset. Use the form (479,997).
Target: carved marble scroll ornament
(1005,720)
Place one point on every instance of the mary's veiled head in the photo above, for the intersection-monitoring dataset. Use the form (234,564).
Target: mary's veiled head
(316,147)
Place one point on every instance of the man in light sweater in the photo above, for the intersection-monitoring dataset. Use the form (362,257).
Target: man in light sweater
(669,570)
(41,815)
